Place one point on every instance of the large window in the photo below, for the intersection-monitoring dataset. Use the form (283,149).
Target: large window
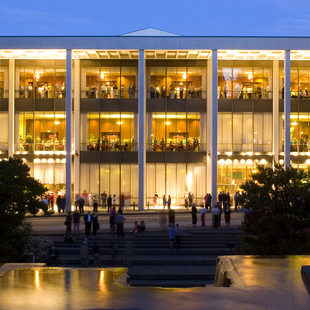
(40,132)
(299,132)
(175,180)
(4,132)
(175,132)
(119,180)
(4,78)
(244,80)
(176,82)
(108,80)
(108,132)
(300,80)
(40,79)
(244,132)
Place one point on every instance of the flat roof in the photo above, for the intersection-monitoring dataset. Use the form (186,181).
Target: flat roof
(156,42)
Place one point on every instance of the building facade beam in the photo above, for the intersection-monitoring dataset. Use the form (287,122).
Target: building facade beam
(275,110)
(11,109)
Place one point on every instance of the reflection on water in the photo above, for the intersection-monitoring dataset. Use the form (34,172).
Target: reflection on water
(59,288)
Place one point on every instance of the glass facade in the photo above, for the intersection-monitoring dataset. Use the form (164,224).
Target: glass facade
(107,131)
(108,79)
(244,132)
(175,132)
(40,79)
(176,82)
(40,132)
(175,180)
(115,179)
(4,132)
(4,78)
(244,80)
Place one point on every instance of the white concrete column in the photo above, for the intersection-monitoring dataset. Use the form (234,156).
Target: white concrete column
(149,131)
(6,83)
(212,126)
(275,115)
(142,114)
(287,107)
(203,131)
(11,107)
(68,127)
(76,126)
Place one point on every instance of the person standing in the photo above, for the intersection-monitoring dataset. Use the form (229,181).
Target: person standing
(162,220)
(236,199)
(171,236)
(63,203)
(155,199)
(220,215)
(84,254)
(52,200)
(178,235)
(164,201)
(95,223)
(169,202)
(95,203)
(120,219)
(104,199)
(227,212)
(203,211)
(114,201)
(109,203)
(112,219)
(96,255)
(215,215)
(59,203)
(76,222)
(171,216)
(81,205)
(87,222)
(194,215)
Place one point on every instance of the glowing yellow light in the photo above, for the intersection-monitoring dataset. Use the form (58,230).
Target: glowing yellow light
(184,76)
(250,76)
(120,123)
(57,122)
(37,279)
(189,180)
(167,123)
(37,76)
(102,76)
(294,123)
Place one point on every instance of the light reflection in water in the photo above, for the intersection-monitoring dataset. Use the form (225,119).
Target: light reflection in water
(37,279)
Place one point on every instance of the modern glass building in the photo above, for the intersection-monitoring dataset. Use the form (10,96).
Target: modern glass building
(153,112)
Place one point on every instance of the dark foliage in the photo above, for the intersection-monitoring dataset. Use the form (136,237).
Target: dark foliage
(278,220)
(19,195)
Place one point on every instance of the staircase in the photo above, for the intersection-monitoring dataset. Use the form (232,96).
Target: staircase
(149,260)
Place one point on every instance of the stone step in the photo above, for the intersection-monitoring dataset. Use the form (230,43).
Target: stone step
(170,283)
(156,251)
(171,272)
(120,260)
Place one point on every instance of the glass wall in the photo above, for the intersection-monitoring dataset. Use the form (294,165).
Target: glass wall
(175,180)
(108,79)
(245,80)
(177,82)
(120,180)
(232,174)
(4,78)
(40,79)
(175,132)
(299,132)
(108,132)
(40,131)
(300,80)
(244,132)
(4,132)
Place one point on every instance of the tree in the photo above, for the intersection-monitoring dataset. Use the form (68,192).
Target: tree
(278,217)
(19,195)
